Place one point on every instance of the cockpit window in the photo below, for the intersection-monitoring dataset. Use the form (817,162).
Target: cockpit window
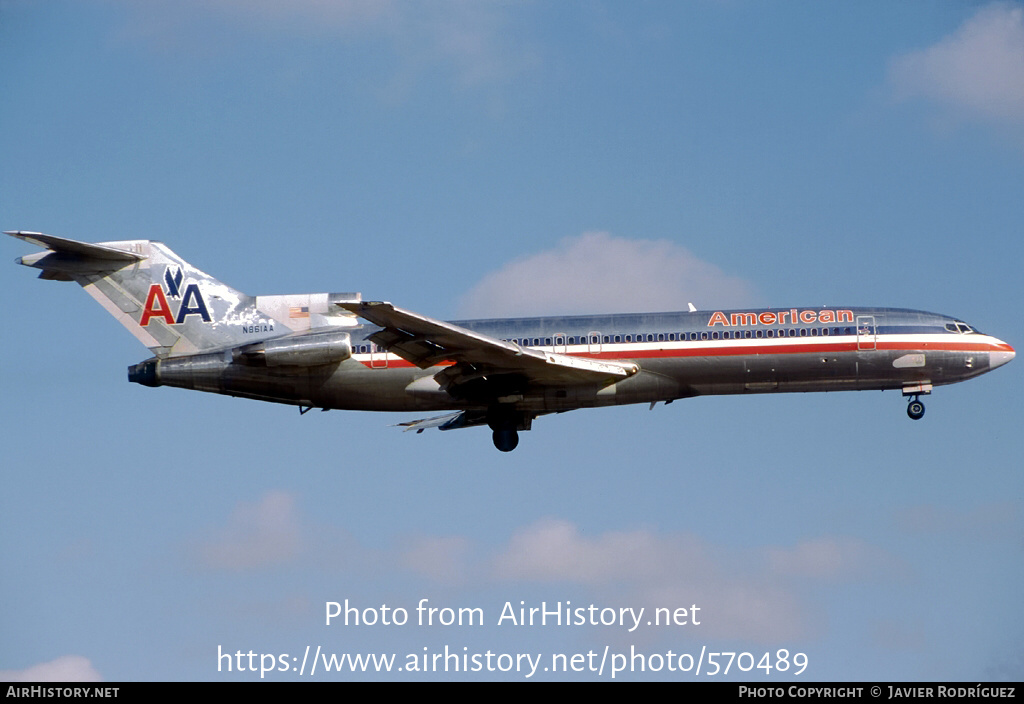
(960,327)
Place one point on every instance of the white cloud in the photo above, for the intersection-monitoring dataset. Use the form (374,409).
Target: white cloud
(332,14)
(257,535)
(554,550)
(599,273)
(470,40)
(442,560)
(977,71)
(896,635)
(993,521)
(825,558)
(754,595)
(68,668)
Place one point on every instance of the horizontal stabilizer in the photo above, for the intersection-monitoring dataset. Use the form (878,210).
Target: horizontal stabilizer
(84,250)
(424,423)
(449,421)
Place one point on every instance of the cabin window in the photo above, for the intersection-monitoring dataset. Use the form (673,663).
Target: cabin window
(661,337)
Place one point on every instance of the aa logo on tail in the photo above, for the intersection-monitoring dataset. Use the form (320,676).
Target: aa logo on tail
(157,307)
(173,282)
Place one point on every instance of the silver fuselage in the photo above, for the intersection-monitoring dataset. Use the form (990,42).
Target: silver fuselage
(680,355)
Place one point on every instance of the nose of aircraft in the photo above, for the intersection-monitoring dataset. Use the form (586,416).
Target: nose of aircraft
(1001,355)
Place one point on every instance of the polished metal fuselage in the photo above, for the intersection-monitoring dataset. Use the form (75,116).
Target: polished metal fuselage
(680,355)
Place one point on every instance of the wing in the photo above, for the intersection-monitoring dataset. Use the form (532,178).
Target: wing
(480,365)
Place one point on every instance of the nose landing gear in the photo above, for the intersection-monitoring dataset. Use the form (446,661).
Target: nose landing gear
(915,409)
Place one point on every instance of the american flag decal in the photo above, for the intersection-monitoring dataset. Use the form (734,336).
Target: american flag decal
(298,312)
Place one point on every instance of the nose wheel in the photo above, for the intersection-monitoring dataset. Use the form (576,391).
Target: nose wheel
(915,409)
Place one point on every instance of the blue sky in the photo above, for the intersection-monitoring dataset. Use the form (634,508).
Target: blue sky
(467,158)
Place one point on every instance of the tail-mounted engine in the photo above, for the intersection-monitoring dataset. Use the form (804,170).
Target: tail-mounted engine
(305,350)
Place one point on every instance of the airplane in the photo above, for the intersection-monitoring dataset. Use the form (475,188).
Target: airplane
(337,351)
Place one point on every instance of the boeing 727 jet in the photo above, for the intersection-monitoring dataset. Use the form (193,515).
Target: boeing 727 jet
(336,351)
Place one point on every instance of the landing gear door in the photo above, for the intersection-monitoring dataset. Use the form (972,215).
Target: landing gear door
(866,332)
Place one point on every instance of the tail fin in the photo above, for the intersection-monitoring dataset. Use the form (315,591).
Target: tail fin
(170,306)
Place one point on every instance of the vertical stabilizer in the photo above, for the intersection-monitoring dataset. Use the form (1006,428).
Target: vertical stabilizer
(170,306)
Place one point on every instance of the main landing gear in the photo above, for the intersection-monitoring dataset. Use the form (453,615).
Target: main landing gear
(506,439)
(915,409)
(505,425)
